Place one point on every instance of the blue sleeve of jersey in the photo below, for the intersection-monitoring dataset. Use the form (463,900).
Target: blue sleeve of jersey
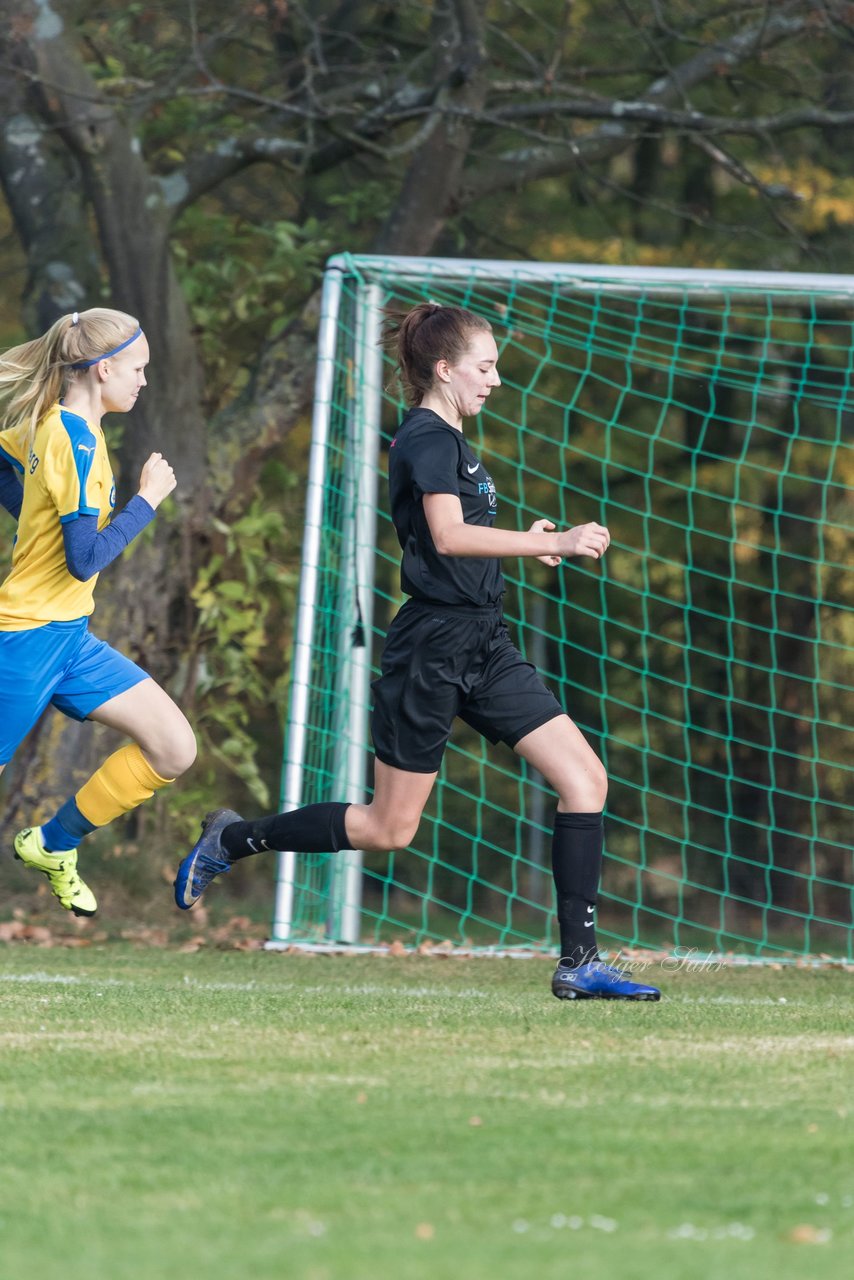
(11,489)
(87,551)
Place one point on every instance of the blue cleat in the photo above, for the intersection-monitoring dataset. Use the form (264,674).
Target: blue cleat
(206,859)
(598,981)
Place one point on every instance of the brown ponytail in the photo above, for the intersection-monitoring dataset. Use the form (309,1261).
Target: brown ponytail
(426,334)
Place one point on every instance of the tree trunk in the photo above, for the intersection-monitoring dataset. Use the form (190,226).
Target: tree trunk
(37,173)
(431,186)
(143,604)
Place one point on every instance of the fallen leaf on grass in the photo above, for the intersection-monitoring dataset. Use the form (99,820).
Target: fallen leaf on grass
(18,931)
(240,944)
(145,936)
(806,1233)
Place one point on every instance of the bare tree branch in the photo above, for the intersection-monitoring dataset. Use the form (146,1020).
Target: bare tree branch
(666,118)
(517,167)
(736,169)
(207,171)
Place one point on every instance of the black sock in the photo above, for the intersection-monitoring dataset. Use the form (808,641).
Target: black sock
(576,867)
(317,828)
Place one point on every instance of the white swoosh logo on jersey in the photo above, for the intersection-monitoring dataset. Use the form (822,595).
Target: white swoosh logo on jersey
(471,470)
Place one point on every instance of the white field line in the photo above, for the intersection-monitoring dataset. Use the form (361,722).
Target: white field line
(360,989)
(363,989)
(682,958)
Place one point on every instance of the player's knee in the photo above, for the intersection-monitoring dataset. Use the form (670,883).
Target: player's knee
(599,784)
(584,791)
(404,833)
(390,832)
(179,753)
(185,751)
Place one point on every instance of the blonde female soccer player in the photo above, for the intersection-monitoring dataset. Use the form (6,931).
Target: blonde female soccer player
(448,653)
(56,480)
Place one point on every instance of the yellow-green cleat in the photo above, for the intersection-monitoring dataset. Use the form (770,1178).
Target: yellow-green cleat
(60,869)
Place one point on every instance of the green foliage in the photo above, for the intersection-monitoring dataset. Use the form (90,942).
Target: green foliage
(127,53)
(361,203)
(244,596)
(242,283)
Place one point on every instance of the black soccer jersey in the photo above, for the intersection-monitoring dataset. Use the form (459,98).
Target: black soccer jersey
(429,456)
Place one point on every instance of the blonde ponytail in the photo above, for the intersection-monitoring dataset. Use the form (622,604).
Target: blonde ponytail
(35,375)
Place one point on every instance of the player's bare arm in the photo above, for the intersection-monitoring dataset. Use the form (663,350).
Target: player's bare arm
(453,537)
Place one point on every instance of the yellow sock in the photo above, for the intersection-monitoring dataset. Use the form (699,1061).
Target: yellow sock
(123,781)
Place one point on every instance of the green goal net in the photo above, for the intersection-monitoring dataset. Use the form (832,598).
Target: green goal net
(706,418)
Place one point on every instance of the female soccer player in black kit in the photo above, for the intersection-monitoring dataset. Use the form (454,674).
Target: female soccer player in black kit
(448,653)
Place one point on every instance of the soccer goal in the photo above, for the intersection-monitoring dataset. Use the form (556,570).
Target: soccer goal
(706,417)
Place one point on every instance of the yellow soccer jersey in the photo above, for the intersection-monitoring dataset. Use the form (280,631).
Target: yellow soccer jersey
(66,475)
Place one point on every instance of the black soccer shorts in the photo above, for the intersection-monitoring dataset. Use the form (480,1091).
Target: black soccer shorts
(443,661)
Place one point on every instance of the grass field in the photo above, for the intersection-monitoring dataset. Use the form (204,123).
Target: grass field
(259,1115)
